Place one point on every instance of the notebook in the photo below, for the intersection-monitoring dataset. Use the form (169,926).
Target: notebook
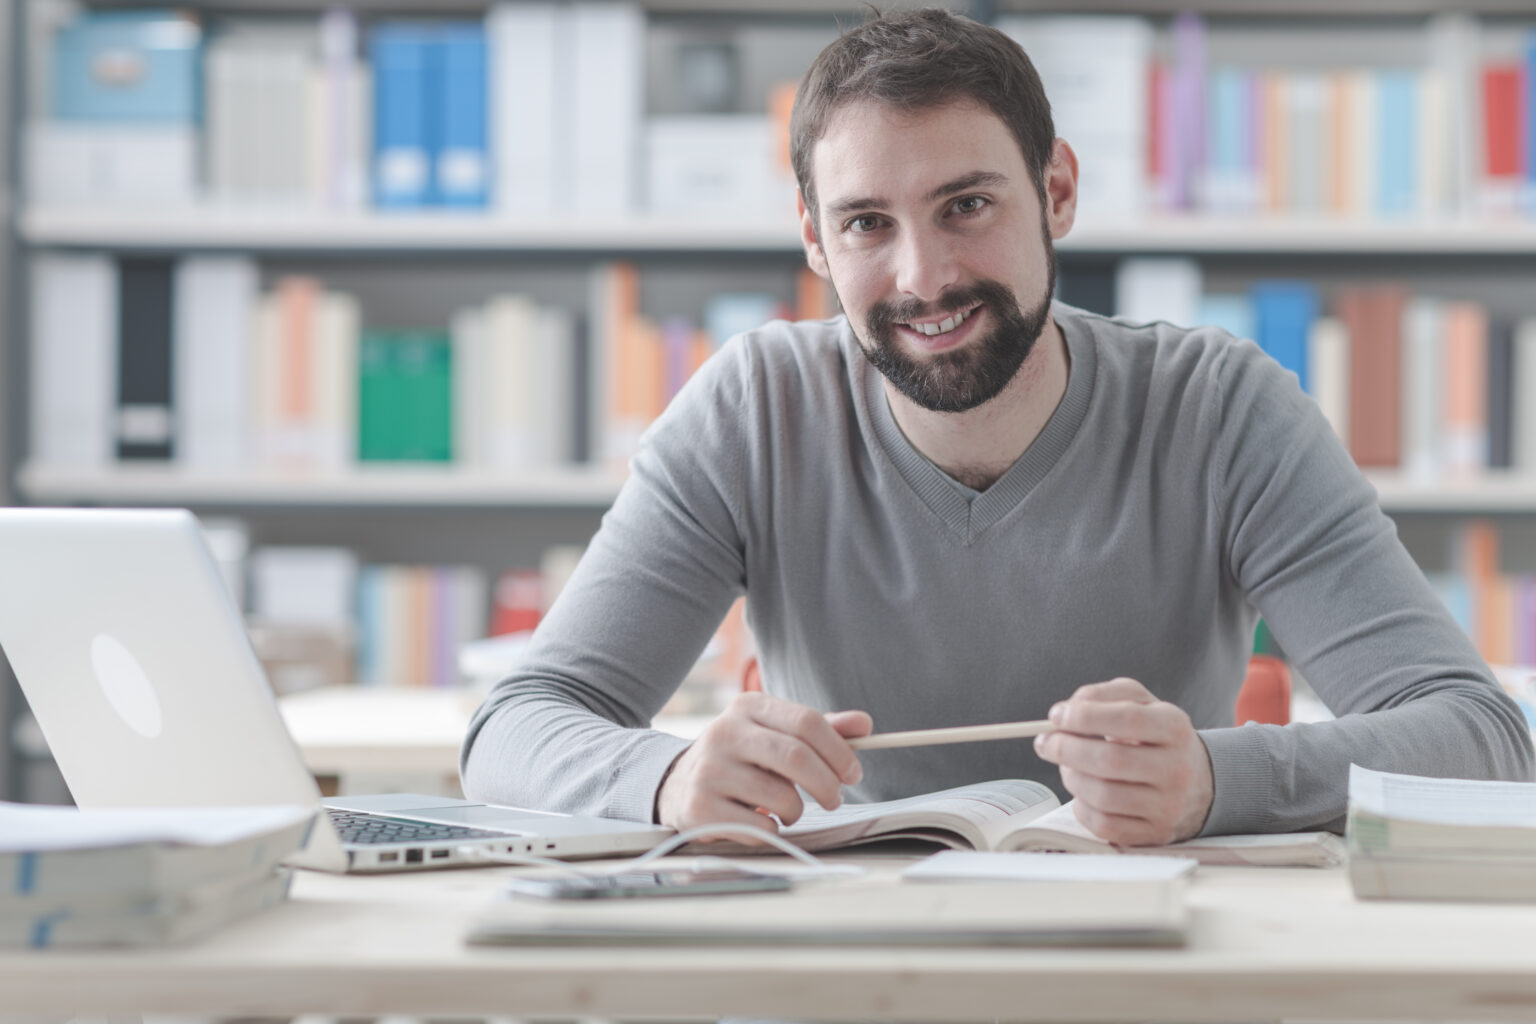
(135,662)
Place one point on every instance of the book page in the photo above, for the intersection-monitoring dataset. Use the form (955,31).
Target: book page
(965,811)
(1061,831)
(1443,801)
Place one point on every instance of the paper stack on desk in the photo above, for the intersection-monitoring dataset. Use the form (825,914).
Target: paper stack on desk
(121,877)
(1453,839)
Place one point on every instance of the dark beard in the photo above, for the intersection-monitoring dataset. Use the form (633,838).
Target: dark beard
(973,374)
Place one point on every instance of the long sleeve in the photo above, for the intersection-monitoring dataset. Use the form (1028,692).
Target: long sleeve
(1308,543)
(570,729)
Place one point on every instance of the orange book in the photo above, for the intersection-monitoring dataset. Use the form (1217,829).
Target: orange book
(814,299)
(1466,388)
(1341,134)
(1276,143)
(1373,316)
(1491,604)
(297,298)
(781,104)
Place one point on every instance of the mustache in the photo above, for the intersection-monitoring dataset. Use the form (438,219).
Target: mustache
(882,316)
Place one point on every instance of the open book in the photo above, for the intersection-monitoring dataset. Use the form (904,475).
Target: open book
(1018,814)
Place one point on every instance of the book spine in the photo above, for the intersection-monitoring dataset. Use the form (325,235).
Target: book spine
(74,360)
(145,383)
(215,299)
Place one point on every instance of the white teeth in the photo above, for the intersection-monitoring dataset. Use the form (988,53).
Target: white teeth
(942,327)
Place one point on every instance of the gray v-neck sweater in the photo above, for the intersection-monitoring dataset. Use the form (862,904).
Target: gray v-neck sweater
(1183,486)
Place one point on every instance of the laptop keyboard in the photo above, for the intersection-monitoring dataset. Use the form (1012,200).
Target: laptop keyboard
(356,827)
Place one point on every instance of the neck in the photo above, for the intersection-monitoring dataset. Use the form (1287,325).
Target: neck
(978,446)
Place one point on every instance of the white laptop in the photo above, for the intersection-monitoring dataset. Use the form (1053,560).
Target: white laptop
(136,664)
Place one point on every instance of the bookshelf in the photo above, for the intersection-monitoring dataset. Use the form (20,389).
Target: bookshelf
(401,512)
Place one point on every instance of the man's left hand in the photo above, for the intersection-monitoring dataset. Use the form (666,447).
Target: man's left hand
(1139,771)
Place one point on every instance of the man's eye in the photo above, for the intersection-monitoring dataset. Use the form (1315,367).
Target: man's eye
(970,204)
(868,222)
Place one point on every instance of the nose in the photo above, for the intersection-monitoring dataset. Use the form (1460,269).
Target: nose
(925,264)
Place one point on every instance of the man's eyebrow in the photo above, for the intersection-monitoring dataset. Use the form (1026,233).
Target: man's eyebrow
(974,179)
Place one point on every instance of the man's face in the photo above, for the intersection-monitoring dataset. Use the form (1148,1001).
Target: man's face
(932,232)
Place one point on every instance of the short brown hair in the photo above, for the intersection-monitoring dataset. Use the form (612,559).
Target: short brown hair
(915,60)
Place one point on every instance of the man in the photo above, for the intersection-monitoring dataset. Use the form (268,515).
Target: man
(962,504)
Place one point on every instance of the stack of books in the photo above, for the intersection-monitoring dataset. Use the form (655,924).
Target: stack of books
(1440,839)
(131,877)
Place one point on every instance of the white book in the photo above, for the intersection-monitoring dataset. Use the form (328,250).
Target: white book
(1306,106)
(334,373)
(214,299)
(473,385)
(511,371)
(1452,46)
(168,921)
(1523,409)
(110,164)
(1094,69)
(74,360)
(530,84)
(608,78)
(1151,289)
(1360,94)
(303,585)
(1412,837)
(101,853)
(1328,370)
(282,113)
(1423,418)
(1432,139)
(555,359)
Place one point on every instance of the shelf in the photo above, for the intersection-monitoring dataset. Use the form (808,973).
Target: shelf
(1488,494)
(299,231)
(579,488)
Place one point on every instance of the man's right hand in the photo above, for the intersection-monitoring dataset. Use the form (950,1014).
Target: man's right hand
(750,759)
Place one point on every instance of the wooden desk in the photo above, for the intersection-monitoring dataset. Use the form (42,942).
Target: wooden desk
(377,739)
(1266,944)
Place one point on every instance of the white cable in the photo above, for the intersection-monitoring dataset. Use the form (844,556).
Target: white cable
(819,869)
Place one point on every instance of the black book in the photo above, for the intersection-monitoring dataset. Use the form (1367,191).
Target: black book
(1501,393)
(144,372)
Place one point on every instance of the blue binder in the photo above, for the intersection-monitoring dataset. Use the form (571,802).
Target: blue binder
(402,142)
(461,163)
(1283,312)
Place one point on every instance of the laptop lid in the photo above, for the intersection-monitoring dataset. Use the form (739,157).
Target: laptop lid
(136,664)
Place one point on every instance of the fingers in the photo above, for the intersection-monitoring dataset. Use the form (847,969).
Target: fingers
(753,756)
(816,756)
(1119,718)
(1136,766)
(851,724)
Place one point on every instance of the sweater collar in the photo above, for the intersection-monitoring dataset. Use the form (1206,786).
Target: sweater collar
(968,518)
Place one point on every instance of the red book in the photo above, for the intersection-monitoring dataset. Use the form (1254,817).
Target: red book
(1503,122)
(1374,316)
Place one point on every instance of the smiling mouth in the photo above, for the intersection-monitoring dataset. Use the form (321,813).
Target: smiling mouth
(944,326)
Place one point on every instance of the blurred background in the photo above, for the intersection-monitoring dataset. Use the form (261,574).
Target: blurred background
(386,292)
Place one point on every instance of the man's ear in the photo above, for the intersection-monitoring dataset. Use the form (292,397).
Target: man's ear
(815,258)
(1061,189)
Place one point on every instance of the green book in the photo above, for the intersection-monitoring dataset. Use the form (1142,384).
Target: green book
(405,397)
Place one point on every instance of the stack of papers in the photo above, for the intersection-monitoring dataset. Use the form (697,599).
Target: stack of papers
(120,877)
(1454,839)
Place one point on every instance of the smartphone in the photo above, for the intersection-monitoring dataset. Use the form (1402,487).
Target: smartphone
(662,882)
